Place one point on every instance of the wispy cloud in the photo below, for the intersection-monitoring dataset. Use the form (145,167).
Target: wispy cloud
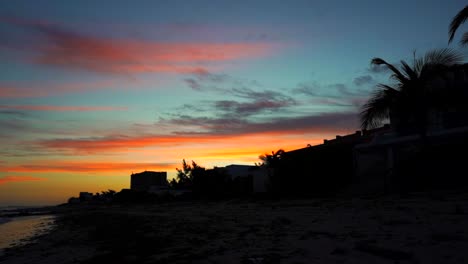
(309,89)
(333,90)
(74,50)
(375,69)
(61,108)
(253,107)
(105,143)
(9,179)
(203,80)
(13,113)
(14,91)
(250,98)
(363,80)
(320,123)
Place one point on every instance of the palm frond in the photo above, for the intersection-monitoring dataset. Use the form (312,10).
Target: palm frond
(377,108)
(396,73)
(464,40)
(410,72)
(437,59)
(444,56)
(459,19)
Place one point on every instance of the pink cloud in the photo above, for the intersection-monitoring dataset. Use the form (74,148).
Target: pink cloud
(12,91)
(99,54)
(62,108)
(7,179)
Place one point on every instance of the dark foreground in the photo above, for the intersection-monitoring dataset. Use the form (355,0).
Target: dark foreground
(419,228)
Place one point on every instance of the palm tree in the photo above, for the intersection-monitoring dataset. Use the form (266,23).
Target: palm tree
(407,103)
(459,19)
(272,163)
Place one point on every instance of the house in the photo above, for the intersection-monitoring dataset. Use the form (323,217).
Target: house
(85,196)
(149,181)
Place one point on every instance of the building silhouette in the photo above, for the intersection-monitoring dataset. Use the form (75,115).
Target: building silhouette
(149,181)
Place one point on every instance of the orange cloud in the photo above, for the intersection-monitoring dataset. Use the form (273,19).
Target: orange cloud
(91,145)
(57,166)
(58,108)
(212,145)
(7,179)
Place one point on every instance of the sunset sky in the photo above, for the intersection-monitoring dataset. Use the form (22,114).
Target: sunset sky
(91,92)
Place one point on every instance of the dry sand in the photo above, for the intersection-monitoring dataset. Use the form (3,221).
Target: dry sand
(391,229)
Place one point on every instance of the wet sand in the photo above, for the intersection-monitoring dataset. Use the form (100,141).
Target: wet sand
(393,229)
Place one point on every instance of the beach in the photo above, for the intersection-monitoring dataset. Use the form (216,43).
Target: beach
(417,228)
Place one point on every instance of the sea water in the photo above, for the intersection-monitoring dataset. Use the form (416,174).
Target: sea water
(17,231)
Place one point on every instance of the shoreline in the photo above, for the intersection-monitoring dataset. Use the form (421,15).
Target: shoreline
(420,228)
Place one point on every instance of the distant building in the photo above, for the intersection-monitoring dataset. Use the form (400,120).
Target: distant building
(249,178)
(149,181)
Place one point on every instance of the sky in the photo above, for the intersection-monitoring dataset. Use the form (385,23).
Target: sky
(92,91)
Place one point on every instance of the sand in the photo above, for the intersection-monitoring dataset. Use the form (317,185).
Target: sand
(418,228)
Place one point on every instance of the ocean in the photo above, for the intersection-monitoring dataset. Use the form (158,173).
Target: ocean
(16,231)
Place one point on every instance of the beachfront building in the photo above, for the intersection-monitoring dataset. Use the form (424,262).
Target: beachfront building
(149,181)
(321,169)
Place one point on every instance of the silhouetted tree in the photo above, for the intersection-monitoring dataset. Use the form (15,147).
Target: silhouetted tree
(407,103)
(108,193)
(213,183)
(459,19)
(184,175)
(173,183)
(187,175)
(273,162)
